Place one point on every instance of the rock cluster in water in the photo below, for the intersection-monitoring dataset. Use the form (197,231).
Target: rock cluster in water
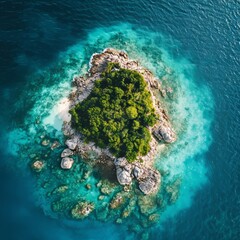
(82,210)
(38,165)
(142,169)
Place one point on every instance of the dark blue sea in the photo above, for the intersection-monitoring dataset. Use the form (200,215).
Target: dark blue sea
(44,43)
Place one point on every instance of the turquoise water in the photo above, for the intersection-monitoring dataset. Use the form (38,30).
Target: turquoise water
(179,163)
(190,47)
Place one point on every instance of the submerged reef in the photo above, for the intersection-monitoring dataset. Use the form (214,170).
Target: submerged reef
(118,119)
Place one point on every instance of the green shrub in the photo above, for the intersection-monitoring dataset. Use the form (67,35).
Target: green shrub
(117,112)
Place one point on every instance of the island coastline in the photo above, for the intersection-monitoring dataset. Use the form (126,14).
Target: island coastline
(142,170)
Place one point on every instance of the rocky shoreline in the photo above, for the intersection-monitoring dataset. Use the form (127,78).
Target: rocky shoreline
(142,170)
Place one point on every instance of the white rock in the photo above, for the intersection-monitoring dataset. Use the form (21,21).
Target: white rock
(71,143)
(138,172)
(67,163)
(128,167)
(67,130)
(66,153)
(151,183)
(123,176)
(165,133)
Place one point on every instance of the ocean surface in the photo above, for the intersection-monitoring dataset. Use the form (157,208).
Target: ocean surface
(191,46)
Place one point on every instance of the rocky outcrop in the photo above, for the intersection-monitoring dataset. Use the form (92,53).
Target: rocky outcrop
(123,176)
(66,153)
(37,166)
(148,178)
(54,145)
(142,170)
(72,143)
(138,172)
(67,163)
(164,133)
(150,182)
(123,171)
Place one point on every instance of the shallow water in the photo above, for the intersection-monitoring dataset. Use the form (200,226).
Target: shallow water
(190,47)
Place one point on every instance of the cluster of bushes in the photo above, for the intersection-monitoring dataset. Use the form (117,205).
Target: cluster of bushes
(117,112)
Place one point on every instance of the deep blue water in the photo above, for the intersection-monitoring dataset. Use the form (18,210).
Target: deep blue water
(32,33)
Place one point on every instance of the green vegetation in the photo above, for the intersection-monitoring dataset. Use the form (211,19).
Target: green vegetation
(117,112)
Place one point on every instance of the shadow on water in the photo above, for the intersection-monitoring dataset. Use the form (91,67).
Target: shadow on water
(105,169)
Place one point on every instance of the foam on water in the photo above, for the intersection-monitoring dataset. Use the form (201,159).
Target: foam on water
(191,113)
(189,107)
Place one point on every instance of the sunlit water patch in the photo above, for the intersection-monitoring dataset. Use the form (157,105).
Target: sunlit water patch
(182,164)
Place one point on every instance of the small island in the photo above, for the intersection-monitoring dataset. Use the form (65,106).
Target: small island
(117,113)
(118,120)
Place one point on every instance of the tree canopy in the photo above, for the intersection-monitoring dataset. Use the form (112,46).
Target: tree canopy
(117,113)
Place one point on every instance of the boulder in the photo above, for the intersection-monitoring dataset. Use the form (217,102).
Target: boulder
(67,163)
(123,176)
(138,172)
(66,153)
(38,165)
(128,167)
(67,129)
(72,143)
(151,182)
(165,133)
(54,145)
